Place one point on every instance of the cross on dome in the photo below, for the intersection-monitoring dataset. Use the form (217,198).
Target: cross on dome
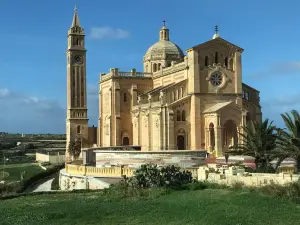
(216,35)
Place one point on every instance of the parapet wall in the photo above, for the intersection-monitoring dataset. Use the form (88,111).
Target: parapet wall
(232,175)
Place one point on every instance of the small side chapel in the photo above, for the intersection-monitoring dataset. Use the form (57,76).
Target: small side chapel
(192,100)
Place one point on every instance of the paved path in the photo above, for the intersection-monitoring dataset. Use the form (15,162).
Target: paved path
(45,186)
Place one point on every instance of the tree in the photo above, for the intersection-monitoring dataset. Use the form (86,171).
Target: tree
(74,147)
(289,138)
(259,141)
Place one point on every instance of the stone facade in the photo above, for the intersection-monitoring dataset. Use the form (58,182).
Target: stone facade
(193,101)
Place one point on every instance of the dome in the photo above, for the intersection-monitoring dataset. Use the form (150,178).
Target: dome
(164,49)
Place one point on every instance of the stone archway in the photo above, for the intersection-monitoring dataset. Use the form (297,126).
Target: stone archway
(230,134)
(125,138)
(125,141)
(180,142)
(181,139)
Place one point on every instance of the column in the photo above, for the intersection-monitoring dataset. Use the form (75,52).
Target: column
(135,130)
(218,141)
(171,139)
(207,139)
(195,123)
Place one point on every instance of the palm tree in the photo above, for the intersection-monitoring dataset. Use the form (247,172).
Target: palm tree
(259,140)
(289,141)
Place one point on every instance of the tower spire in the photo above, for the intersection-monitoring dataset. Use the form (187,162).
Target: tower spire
(75,22)
(216,35)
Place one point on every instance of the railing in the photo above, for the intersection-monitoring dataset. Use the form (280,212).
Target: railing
(134,74)
(110,172)
(171,69)
(114,72)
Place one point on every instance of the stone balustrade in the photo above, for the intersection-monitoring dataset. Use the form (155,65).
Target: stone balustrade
(171,69)
(221,175)
(114,72)
(82,170)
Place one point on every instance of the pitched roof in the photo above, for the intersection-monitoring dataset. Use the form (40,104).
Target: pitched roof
(217,107)
(217,40)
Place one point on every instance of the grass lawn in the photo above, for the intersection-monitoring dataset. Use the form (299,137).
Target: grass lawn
(215,207)
(14,171)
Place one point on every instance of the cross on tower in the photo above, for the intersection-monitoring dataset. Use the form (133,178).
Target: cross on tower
(164,22)
(216,29)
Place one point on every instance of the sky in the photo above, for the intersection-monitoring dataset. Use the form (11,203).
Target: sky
(33,36)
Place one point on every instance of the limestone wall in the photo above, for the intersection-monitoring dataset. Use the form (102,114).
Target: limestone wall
(232,175)
(68,182)
(53,159)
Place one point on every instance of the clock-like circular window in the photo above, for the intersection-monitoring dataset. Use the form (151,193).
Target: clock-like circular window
(216,78)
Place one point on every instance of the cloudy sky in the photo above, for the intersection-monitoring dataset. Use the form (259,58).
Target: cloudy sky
(34,40)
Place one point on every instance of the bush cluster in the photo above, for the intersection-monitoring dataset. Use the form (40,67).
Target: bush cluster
(149,176)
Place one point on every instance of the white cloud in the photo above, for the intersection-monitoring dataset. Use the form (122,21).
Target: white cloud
(26,114)
(272,108)
(22,113)
(4,92)
(108,33)
(278,69)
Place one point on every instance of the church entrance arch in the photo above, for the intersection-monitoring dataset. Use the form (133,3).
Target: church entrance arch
(181,139)
(125,138)
(180,142)
(125,141)
(230,134)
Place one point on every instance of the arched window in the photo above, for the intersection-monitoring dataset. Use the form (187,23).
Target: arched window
(178,95)
(78,129)
(206,61)
(178,115)
(183,115)
(125,97)
(226,61)
(158,66)
(216,58)
(154,67)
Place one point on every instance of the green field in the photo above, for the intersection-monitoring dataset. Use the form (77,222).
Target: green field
(215,207)
(12,172)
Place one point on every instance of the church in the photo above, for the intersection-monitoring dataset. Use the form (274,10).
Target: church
(182,100)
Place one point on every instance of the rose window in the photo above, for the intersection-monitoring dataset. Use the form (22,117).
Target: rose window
(216,78)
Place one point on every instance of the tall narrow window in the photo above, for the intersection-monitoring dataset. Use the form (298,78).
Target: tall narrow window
(183,115)
(216,57)
(125,97)
(178,115)
(247,95)
(78,129)
(154,67)
(226,61)
(206,60)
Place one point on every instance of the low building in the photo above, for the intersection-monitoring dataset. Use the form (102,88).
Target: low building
(55,156)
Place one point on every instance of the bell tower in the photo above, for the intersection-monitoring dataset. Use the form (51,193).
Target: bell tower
(77,121)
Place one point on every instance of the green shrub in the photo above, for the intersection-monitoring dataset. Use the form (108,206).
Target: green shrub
(123,189)
(237,185)
(149,176)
